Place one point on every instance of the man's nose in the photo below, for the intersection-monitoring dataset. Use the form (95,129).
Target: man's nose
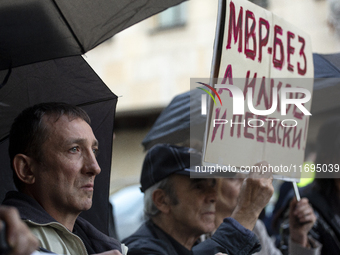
(91,166)
(211,195)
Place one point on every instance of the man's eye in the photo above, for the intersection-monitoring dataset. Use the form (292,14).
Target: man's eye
(95,151)
(74,149)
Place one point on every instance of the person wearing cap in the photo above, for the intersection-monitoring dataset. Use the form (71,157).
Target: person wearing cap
(180,209)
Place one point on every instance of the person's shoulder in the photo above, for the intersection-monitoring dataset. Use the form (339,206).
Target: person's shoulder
(144,234)
(99,241)
(144,241)
(146,245)
(144,231)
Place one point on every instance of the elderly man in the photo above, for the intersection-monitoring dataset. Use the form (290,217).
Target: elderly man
(180,209)
(53,154)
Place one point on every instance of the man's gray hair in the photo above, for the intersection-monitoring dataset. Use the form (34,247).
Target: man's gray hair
(150,209)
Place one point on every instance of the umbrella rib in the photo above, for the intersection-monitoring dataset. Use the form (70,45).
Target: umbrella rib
(69,27)
(97,101)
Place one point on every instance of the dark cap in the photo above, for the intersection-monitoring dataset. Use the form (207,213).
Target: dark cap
(163,160)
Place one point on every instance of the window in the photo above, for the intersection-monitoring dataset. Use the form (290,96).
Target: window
(172,17)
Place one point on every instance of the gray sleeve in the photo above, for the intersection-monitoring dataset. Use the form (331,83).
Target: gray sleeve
(296,249)
(268,247)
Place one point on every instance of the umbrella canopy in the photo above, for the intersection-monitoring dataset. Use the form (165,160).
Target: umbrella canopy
(69,80)
(326,91)
(38,30)
(173,124)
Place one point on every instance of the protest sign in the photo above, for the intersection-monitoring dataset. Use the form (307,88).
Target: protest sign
(263,73)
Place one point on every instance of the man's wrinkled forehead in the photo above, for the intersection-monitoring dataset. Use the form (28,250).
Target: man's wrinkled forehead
(59,124)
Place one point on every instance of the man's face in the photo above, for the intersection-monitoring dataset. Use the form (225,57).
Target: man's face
(195,210)
(65,176)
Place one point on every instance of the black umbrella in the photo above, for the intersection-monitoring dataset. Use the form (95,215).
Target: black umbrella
(33,31)
(174,122)
(326,91)
(68,80)
(38,30)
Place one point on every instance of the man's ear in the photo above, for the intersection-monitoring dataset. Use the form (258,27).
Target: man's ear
(161,200)
(22,165)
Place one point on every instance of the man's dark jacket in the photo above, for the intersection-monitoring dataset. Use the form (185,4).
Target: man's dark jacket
(29,209)
(230,238)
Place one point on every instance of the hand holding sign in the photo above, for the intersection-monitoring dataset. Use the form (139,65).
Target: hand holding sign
(301,220)
(255,193)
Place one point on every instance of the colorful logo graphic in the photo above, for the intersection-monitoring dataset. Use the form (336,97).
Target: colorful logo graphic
(208,92)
